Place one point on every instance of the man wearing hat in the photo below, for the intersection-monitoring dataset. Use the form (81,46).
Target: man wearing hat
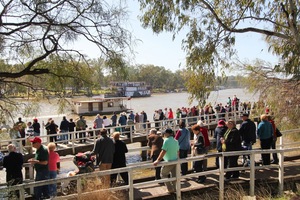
(40,162)
(169,152)
(248,134)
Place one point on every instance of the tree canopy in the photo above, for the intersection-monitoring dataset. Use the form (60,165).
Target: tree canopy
(35,33)
(212,26)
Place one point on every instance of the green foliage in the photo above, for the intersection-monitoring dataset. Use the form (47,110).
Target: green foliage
(212,26)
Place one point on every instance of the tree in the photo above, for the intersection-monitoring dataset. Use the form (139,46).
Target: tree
(33,31)
(279,92)
(212,25)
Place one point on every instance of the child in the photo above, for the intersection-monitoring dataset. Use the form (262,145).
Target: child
(53,164)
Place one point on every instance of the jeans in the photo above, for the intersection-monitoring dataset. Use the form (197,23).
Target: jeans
(246,158)
(52,187)
(64,137)
(41,191)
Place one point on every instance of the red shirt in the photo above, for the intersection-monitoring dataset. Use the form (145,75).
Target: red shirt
(204,132)
(53,159)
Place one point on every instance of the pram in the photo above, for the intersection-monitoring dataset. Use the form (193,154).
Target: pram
(85,163)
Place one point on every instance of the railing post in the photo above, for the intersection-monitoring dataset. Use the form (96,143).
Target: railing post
(21,193)
(221,177)
(131,189)
(21,146)
(281,173)
(131,139)
(252,173)
(79,188)
(73,141)
(178,178)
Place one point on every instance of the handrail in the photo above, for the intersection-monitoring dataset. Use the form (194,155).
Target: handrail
(178,177)
(135,128)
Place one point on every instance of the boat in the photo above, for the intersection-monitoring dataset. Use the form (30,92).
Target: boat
(131,89)
(100,105)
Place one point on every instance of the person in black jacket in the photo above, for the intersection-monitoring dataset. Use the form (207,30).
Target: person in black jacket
(231,141)
(13,164)
(248,135)
(119,158)
(64,128)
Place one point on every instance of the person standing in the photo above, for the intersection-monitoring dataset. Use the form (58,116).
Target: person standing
(218,134)
(13,163)
(114,119)
(40,162)
(72,126)
(29,132)
(144,119)
(155,142)
(22,126)
(231,141)
(156,116)
(122,122)
(52,130)
(204,132)
(183,136)
(169,152)
(80,126)
(53,163)
(36,127)
(119,158)
(248,135)
(265,134)
(106,124)
(104,150)
(141,120)
(136,121)
(170,115)
(273,146)
(64,128)
(198,149)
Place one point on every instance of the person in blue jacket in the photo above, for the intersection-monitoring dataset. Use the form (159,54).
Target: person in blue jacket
(183,137)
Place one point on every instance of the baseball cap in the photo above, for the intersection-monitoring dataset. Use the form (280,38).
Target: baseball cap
(36,140)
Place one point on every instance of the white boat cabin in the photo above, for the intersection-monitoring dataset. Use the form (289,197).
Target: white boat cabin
(92,106)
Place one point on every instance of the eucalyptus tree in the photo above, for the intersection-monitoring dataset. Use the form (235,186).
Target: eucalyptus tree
(212,26)
(31,31)
(280,92)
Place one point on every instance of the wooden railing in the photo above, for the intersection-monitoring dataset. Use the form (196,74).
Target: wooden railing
(129,131)
(130,169)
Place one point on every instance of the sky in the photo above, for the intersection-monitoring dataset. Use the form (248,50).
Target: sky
(161,50)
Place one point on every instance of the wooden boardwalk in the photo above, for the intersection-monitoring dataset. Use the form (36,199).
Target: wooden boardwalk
(211,186)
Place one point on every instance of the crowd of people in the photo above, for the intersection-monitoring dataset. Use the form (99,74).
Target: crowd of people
(165,145)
